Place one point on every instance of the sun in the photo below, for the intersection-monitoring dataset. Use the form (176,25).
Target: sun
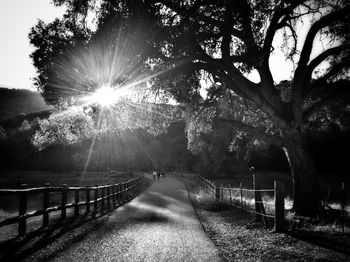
(106,96)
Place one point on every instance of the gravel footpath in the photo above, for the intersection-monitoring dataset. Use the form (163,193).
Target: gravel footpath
(158,225)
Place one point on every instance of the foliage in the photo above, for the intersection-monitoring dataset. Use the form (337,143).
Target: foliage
(73,59)
(52,42)
(198,123)
(226,42)
(209,129)
(249,29)
(123,150)
(218,40)
(66,127)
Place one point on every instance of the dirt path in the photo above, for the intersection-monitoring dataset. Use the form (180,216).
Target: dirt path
(158,225)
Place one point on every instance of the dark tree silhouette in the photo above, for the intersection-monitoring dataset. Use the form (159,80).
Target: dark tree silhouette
(225,40)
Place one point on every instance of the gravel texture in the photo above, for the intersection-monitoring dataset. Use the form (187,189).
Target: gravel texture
(158,225)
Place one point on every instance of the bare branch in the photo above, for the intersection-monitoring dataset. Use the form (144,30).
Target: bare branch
(276,24)
(332,72)
(226,39)
(319,59)
(299,75)
(318,25)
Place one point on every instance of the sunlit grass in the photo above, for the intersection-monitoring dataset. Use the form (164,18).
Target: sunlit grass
(320,224)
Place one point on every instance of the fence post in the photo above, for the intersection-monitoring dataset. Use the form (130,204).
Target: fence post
(113,196)
(279,206)
(241,194)
(122,197)
(76,202)
(102,199)
(46,200)
(87,201)
(64,202)
(95,199)
(22,210)
(229,186)
(128,190)
(343,199)
(217,193)
(126,194)
(123,191)
(118,193)
(258,217)
(109,197)
(222,192)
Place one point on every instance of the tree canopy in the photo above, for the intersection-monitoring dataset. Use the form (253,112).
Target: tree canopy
(176,45)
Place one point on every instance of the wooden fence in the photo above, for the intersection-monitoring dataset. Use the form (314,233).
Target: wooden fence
(106,195)
(218,192)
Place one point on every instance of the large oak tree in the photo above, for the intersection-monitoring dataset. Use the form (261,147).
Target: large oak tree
(226,41)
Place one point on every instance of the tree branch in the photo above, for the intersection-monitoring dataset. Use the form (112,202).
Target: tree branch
(318,60)
(235,81)
(318,25)
(333,71)
(299,75)
(275,25)
(254,131)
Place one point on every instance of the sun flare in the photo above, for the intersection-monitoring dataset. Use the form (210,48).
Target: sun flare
(106,95)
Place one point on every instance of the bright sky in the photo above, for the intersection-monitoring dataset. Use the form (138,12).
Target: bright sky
(16,19)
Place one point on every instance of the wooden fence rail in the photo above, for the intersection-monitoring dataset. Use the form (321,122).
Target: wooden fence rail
(120,192)
(218,192)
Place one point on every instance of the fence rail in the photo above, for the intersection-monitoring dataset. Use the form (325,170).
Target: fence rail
(218,192)
(103,194)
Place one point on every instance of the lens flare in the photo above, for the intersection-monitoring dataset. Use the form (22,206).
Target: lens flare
(106,96)
(112,87)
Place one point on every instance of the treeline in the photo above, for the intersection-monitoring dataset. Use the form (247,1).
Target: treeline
(138,150)
(122,150)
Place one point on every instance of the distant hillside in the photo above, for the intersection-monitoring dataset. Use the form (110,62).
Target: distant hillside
(15,122)
(14,102)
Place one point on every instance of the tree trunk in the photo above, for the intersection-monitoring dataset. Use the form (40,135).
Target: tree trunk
(306,188)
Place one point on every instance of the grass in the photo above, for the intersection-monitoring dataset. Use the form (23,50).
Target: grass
(330,220)
(8,179)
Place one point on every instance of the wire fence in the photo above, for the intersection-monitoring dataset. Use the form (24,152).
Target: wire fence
(251,200)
